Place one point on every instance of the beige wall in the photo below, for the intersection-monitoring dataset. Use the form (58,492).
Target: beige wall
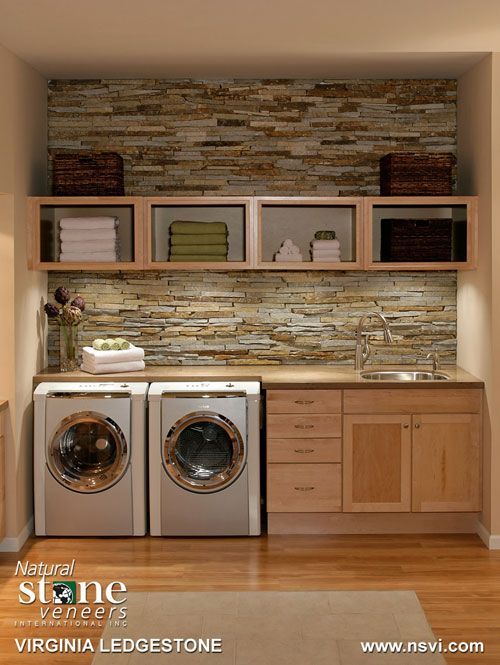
(478,310)
(23,139)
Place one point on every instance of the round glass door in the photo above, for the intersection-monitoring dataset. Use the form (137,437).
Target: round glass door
(88,452)
(203,452)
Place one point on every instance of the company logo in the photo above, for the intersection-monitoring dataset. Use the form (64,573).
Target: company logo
(64,593)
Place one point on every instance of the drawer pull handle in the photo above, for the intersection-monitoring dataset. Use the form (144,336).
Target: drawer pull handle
(406,425)
(304,401)
(304,489)
(304,450)
(303,426)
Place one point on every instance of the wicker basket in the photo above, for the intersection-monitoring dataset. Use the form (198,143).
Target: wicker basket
(413,240)
(88,174)
(417,174)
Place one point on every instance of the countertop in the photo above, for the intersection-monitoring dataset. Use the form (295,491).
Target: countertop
(271,376)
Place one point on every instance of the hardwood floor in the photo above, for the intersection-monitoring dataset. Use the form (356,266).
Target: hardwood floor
(456,578)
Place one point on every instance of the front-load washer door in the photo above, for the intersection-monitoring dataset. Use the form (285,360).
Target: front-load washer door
(204,452)
(88,452)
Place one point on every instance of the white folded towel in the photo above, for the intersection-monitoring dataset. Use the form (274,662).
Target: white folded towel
(326,259)
(88,223)
(287,258)
(112,368)
(91,356)
(90,257)
(74,235)
(325,244)
(87,246)
(326,252)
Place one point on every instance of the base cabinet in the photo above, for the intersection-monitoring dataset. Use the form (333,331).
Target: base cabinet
(2,478)
(377,463)
(446,463)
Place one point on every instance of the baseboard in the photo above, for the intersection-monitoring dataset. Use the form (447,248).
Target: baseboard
(491,542)
(371,523)
(15,544)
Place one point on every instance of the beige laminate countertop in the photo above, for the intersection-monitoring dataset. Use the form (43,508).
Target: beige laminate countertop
(271,376)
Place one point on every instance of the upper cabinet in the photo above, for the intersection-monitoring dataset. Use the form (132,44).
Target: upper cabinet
(189,233)
(242,233)
(86,233)
(326,233)
(421,233)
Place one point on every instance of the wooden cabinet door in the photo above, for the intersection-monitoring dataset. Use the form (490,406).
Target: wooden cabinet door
(376,463)
(446,463)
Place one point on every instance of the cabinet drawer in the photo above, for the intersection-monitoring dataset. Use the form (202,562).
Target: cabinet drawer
(304,488)
(304,401)
(282,426)
(304,451)
(413,400)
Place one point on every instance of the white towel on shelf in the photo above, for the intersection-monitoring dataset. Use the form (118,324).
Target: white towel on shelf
(325,244)
(326,252)
(75,235)
(112,368)
(87,246)
(84,223)
(326,258)
(90,257)
(287,258)
(91,356)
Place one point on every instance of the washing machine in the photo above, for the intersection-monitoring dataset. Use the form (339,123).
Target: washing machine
(90,459)
(204,452)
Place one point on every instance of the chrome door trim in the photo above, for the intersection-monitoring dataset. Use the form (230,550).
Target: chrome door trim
(225,478)
(108,478)
(88,395)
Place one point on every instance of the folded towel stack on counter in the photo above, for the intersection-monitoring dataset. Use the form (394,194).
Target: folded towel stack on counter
(288,252)
(327,251)
(108,362)
(198,241)
(87,239)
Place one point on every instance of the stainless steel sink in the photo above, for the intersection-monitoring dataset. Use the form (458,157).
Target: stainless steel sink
(402,375)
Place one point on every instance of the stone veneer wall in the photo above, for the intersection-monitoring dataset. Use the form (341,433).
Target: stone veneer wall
(265,317)
(251,137)
(283,137)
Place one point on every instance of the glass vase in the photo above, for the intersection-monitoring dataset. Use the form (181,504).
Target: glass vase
(68,348)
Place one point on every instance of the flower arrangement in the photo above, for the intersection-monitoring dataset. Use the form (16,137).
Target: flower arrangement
(68,315)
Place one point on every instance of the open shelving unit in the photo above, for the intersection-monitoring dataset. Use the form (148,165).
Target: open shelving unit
(298,218)
(256,227)
(460,211)
(45,214)
(235,212)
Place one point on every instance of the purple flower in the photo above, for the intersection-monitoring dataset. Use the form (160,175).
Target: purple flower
(62,295)
(51,310)
(78,302)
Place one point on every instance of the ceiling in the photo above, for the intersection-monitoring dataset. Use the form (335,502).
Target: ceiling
(250,38)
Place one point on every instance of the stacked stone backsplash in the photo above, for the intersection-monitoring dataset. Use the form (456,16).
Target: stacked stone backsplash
(265,317)
(273,137)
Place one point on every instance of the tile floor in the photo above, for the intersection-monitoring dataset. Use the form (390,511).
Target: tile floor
(276,627)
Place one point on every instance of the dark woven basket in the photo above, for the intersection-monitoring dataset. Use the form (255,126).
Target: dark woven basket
(412,240)
(417,174)
(88,174)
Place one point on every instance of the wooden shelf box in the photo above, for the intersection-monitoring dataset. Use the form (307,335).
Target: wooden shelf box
(298,218)
(45,214)
(429,215)
(235,212)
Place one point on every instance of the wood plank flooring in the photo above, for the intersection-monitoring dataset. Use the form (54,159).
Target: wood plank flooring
(456,578)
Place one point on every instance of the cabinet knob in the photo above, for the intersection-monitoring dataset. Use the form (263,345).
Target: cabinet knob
(417,425)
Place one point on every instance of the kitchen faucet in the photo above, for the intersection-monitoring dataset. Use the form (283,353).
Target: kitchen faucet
(436,364)
(363,348)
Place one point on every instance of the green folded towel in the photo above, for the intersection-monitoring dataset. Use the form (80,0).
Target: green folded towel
(100,345)
(198,227)
(198,258)
(198,249)
(115,346)
(124,345)
(198,239)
